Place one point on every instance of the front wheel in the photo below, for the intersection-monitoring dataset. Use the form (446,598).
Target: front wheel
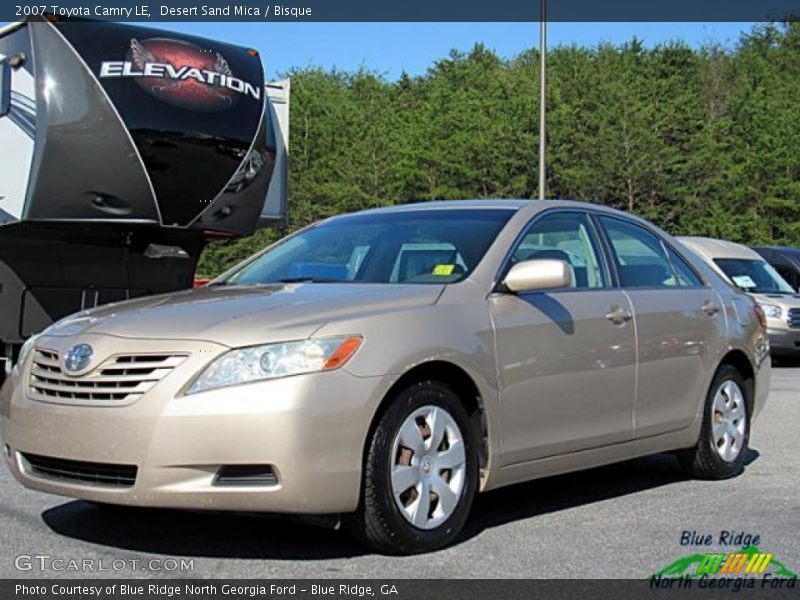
(420,473)
(725,433)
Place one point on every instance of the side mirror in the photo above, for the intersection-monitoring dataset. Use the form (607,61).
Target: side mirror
(538,274)
(5,87)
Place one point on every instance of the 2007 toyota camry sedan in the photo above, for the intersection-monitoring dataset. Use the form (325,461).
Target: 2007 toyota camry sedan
(385,366)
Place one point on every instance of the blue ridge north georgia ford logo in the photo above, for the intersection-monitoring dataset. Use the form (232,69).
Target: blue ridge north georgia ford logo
(78,357)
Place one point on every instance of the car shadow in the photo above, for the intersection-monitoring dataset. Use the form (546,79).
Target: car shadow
(244,536)
(552,309)
(561,492)
(198,533)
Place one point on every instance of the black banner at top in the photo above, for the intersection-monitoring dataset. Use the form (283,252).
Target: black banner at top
(407,10)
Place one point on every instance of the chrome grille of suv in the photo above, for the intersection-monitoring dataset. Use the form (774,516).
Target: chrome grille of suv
(120,378)
(794,318)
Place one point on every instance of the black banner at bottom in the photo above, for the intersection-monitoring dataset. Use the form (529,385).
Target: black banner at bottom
(395,589)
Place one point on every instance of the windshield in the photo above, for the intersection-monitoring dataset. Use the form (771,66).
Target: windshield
(424,246)
(794,253)
(753,275)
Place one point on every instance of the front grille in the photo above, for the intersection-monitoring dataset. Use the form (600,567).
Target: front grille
(76,471)
(794,318)
(121,378)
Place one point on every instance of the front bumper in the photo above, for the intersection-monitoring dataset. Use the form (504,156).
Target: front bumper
(310,429)
(784,342)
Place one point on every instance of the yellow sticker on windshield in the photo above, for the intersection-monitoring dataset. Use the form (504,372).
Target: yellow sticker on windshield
(443,270)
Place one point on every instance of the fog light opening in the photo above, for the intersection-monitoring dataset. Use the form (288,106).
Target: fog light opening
(246,475)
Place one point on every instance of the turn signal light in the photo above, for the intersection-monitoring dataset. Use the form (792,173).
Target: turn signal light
(343,353)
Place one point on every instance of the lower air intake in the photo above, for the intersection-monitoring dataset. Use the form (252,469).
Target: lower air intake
(80,472)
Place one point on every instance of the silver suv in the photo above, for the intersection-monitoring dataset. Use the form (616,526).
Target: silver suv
(388,365)
(747,270)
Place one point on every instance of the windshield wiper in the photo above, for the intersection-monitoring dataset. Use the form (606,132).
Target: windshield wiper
(286,280)
(309,280)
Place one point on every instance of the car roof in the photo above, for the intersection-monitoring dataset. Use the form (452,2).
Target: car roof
(714,248)
(452,204)
(792,251)
(532,206)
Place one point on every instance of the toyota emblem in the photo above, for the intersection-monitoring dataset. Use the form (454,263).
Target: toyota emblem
(78,357)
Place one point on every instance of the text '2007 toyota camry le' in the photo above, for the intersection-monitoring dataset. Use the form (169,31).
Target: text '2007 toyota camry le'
(387,365)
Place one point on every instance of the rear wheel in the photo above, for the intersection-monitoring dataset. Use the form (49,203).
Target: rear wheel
(725,432)
(420,473)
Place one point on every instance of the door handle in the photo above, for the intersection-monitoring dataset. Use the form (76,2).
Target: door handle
(710,308)
(618,316)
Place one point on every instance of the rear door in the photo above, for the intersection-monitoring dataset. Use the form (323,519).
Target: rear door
(679,324)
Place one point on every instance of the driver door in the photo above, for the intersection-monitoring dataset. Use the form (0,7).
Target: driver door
(566,357)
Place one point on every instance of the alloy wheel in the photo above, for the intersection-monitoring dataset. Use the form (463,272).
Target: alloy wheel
(428,467)
(728,424)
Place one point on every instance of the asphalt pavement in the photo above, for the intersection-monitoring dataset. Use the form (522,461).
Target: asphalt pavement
(624,520)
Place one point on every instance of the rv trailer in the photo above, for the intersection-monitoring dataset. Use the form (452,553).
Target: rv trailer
(123,151)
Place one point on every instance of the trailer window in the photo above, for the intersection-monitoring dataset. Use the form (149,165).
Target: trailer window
(5,87)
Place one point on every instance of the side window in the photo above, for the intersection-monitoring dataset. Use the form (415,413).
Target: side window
(564,236)
(686,276)
(639,255)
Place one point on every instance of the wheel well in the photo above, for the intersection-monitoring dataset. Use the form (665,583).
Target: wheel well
(739,361)
(464,387)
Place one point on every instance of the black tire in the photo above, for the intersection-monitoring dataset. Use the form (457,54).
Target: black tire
(703,461)
(379,524)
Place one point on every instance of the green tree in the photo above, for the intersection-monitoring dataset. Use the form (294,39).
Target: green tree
(701,141)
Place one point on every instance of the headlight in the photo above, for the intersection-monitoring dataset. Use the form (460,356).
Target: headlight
(24,351)
(772,311)
(257,363)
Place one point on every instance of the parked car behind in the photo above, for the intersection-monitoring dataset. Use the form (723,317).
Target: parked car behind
(388,365)
(785,260)
(746,269)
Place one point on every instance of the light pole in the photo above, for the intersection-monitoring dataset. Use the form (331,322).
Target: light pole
(542,98)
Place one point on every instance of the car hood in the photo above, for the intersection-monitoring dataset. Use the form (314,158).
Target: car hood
(244,315)
(785,301)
